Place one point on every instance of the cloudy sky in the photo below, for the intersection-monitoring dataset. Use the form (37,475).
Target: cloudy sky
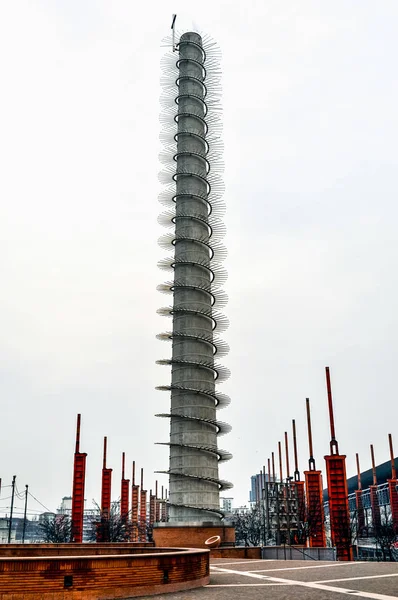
(310,131)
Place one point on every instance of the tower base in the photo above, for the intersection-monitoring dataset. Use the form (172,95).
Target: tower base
(176,535)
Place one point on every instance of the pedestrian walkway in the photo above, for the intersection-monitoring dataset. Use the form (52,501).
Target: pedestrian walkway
(284,580)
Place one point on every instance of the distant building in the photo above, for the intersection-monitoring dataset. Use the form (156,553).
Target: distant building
(89,515)
(32,530)
(240,510)
(257,484)
(226,505)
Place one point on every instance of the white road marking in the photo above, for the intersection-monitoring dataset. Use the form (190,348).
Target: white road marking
(248,561)
(312,585)
(246,584)
(363,577)
(333,564)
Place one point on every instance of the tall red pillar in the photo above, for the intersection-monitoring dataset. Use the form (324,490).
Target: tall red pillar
(299,487)
(142,532)
(124,494)
(106,486)
(157,503)
(134,507)
(79,475)
(359,503)
(392,488)
(163,515)
(152,498)
(340,528)
(315,517)
(374,499)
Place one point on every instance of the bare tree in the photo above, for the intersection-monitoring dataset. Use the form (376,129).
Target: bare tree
(56,529)
(248,527)
(115,528)
(385,536)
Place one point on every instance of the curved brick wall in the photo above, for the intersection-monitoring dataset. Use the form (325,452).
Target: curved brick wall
(94,577)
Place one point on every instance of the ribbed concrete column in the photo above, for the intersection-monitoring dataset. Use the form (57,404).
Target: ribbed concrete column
(194,456)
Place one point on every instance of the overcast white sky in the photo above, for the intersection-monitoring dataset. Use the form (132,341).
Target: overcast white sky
(310,129)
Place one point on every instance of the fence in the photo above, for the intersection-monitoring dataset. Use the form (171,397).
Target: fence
(295,553)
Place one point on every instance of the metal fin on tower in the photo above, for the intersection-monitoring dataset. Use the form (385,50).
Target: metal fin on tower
(192,168)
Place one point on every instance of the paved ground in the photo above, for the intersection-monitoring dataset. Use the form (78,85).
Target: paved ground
(291,580)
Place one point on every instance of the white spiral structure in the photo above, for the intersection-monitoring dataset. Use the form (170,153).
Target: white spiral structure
(191,135)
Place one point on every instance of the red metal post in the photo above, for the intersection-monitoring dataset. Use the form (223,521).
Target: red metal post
(152,502)
(300,492)
(374,499)
(157,503)
(340,529)
(273,467)
(280,462)
(134,506)
(392,487)
(287,457)
(296,468)
(79,475)
(106,487)
(124,494)
(163,508)
(359,503)
(314,495)
(142,532)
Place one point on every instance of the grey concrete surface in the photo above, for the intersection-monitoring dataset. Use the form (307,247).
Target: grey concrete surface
(256,580)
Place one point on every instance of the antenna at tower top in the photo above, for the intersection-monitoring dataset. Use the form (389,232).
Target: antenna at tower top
(173,21)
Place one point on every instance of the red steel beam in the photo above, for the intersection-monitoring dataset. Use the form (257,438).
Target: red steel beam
(79,476)
(280,462)
(157,503)
(374,499)
(287,457)
(273,467)
(340,527)
(163,509)
(359,502)
(300,491)
(142,531)
(106,486)
(134,506)
(152,503)
(392,488)
(314,516)
(124,493)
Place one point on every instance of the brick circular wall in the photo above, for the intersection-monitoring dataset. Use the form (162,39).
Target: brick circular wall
(90,576)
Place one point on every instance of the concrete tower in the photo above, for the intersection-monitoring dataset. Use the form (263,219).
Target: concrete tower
(191,133)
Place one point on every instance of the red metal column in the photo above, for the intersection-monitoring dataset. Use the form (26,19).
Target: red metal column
(124,494)
(106,486)
(142,532)
(106,489)
(359,503)
(374,499)
(299,485)
(280,462)
(392,487)
(157,504)
(314,496)
(152,499)
(166,506)
(134,506)
(340,528)
(79,475)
